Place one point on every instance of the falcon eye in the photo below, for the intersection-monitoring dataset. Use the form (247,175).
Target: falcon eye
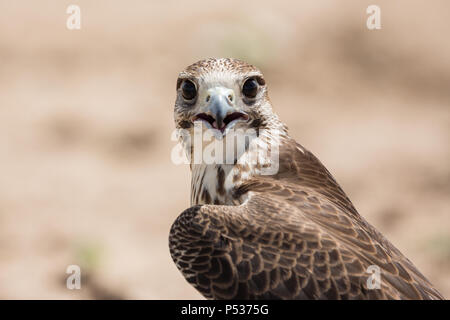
(188,90)
(250,88)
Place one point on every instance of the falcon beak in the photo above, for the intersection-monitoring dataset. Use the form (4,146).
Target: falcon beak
(220,110)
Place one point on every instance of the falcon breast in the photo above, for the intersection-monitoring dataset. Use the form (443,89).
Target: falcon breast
(267,220)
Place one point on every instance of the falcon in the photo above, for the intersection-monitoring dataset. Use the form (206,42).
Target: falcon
(271,227)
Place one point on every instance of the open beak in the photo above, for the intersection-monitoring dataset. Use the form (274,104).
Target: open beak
(220,110)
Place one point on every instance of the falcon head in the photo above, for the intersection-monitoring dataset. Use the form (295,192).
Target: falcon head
(222,94)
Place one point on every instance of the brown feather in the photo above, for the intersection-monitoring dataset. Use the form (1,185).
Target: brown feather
(291,235)
(297,237)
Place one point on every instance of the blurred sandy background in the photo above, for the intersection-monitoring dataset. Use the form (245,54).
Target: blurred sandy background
(86,120)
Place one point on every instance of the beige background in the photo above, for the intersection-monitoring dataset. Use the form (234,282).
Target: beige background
(86,119)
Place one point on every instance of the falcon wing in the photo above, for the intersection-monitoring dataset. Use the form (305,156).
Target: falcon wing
(273,248)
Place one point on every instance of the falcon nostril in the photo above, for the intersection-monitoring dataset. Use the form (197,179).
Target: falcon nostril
(208,98)
(230,97)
